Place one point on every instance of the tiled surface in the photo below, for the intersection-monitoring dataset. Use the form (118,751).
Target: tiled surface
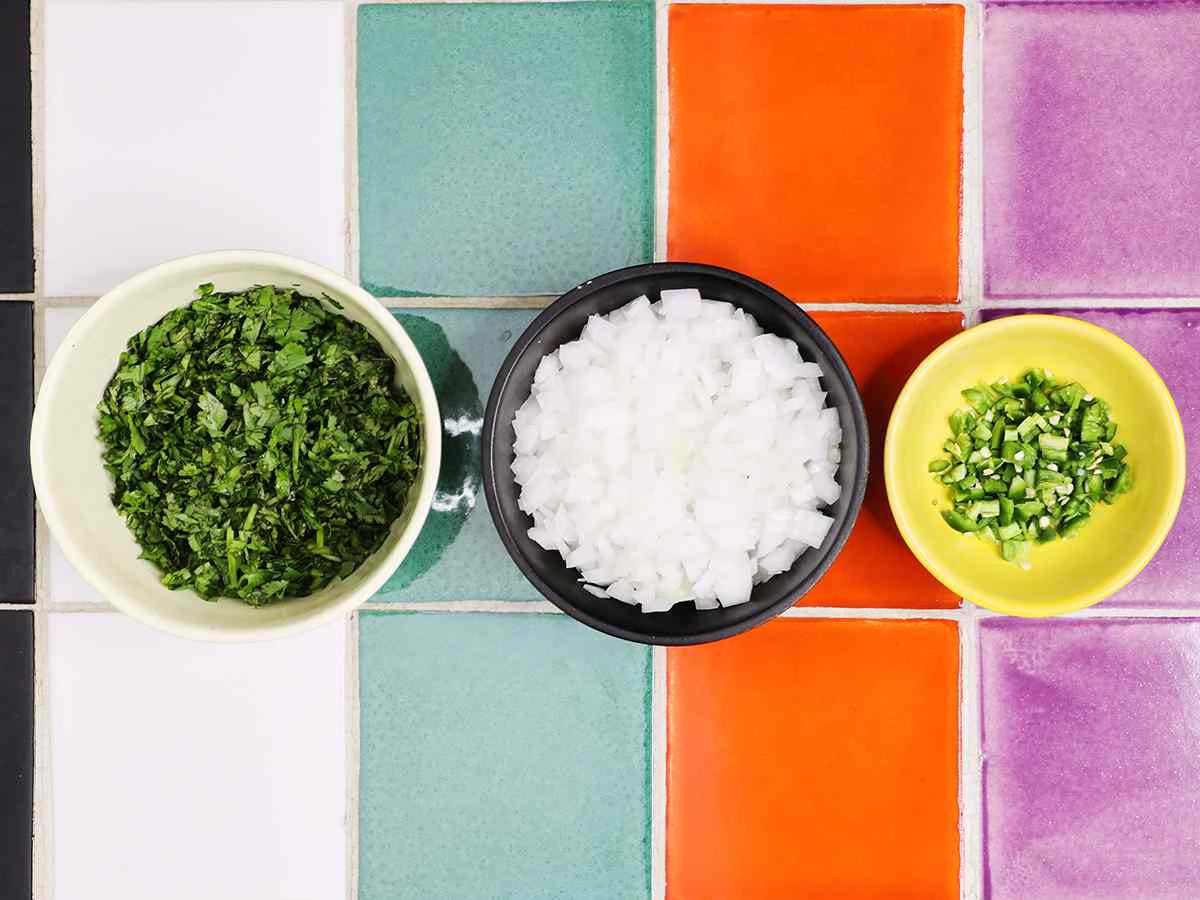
(501,148)
(16,157)
(882,349)
(16,754)
(502,756)
(191,770)
(63,583)
(171,130)
(818,147)
(815,758)
(1090,142)
(1092,780)
(16,486)
(458,555)
(504,148)
(1170,340)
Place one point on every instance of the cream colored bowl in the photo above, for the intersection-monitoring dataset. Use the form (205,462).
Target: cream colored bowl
(73,487)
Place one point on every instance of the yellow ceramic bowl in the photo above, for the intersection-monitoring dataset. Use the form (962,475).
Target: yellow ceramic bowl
(1120,539)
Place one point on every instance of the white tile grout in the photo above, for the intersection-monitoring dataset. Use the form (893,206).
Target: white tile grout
(350,149)
(662,130)
(970,794)
(970,272)
(352,756)
(658,770)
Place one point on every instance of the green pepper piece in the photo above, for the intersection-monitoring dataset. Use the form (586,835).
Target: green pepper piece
(958,522)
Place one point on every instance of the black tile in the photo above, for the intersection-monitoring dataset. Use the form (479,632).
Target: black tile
(16,155)
(16,755)
(16,483)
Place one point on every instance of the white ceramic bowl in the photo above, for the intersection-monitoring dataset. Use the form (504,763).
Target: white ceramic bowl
(73,488)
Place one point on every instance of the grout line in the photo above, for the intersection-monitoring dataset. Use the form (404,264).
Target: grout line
(55,302)
(352,756)
(658,792)
(662,132)
(18,298)
(465,606)
(970,803)
(970,274)
(43,795)
(838,612)
(350,140)
(535,301)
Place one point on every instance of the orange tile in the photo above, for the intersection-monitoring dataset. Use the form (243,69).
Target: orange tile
(818,147)
(876,568)
(814,758)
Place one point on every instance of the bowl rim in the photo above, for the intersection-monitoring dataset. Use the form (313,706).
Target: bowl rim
(857,486)
(1070,600)
(47,498)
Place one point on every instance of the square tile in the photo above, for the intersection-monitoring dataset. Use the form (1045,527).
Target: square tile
(458,555)
(1091,131)
(818,147)
(502,756)
(504,148)
(1170,340)
(882,350)
(175,128)
(64,584)
(16,754)
(223,769)
(815,758)
(16,155)
(1091,775)
(16,488)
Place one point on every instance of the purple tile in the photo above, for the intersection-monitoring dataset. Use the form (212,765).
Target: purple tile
(1170,339)
(1091,143)
(1091,771)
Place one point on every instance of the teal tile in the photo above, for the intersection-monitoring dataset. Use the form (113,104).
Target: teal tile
(504,148)
(502,755)
(458,555)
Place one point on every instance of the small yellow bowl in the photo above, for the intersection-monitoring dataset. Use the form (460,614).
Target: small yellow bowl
(1120,539)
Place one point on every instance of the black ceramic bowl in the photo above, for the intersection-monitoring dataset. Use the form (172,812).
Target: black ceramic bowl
(563,321)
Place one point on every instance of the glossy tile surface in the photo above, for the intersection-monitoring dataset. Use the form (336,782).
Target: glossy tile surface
(502,756)
(814,758)
(16,156)
(16,483)
(176,128)
(1091,775)
(194,770)
(16,754)
(1091,116)
(817,147)
(1170,340)
(504,148)
(882,349)
(458,555)
(64,584)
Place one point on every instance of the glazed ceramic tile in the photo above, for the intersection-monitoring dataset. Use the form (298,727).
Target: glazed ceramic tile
(876,568)
(186,769)
(64,584)
(1170,340)
(1091,776)
(817,147)
(814,758)
(504,148)
(16,486)
(458,555)
(16,157)
(502,756)
(1090,138)
(16,754)
(175,128)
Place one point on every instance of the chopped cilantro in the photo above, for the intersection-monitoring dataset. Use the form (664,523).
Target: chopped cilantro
(258,444)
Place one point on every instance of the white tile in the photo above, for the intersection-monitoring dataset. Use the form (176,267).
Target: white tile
(58,321)
(192,771)
(175,128)
(65,584)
